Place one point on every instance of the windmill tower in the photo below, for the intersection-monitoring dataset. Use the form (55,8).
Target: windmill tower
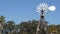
(42,25)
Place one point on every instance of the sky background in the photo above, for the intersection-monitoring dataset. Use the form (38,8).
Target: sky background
(24,10)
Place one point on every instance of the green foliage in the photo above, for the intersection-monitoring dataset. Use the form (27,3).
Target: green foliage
(2,19)
(10,25)
(28,27)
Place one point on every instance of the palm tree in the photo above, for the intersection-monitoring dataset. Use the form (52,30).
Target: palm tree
(2,20)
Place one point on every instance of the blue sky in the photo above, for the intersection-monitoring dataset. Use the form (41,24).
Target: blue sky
(24,10)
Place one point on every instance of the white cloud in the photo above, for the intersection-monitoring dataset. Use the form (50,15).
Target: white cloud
(52,8)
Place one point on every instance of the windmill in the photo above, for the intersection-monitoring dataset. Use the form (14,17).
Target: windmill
(42,9)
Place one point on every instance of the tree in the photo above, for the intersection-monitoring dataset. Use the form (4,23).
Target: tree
(10,25)
(2,19)
(58,28)
(52,29)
